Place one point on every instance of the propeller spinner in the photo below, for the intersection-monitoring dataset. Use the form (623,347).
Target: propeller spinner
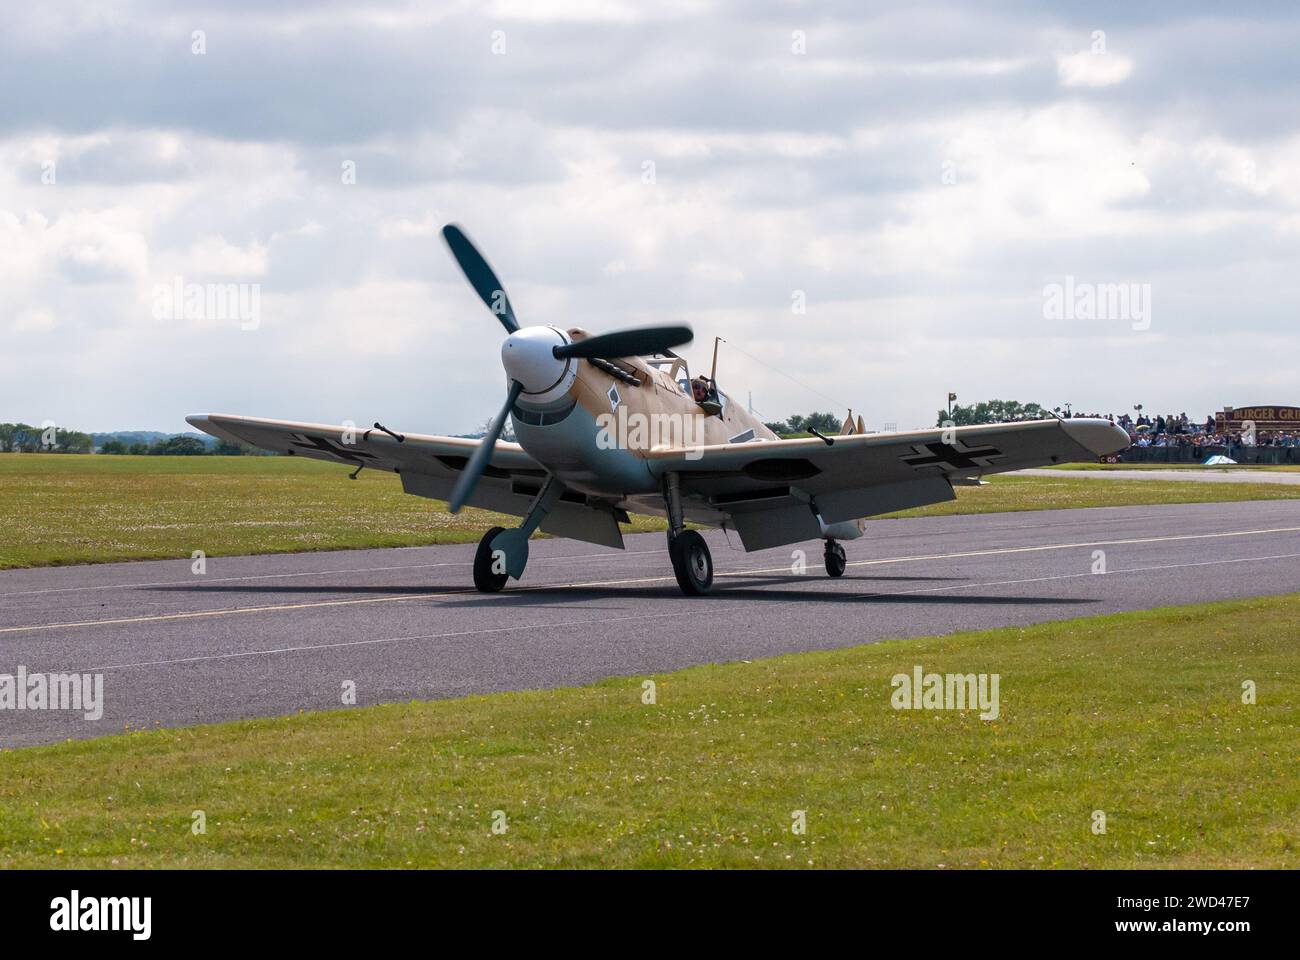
(538,359)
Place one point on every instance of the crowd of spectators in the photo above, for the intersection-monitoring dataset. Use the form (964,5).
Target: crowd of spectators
(1177,430)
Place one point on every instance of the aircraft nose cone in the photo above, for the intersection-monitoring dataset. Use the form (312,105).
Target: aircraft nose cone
(527,357)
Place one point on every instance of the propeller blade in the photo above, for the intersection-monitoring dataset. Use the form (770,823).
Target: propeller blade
(626,343)
(480,276)
(478,462)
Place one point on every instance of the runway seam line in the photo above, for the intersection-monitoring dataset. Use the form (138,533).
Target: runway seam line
(273,608)
(657,616)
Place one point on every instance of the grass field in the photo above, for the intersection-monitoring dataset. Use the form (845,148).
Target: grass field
(1138,715)
(69,508)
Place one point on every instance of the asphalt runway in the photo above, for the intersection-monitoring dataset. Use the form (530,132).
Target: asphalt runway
(271,635)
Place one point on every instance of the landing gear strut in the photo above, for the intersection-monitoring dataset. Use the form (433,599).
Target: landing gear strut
(503,553)
(836,561)
(692,562)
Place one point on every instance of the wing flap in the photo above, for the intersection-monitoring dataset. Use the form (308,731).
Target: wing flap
(760,529)
(576,520)
(870,501)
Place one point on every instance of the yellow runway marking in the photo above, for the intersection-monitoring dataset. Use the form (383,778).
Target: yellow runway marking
(275,608)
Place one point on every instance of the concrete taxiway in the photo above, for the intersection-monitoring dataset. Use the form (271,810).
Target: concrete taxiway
(271,635)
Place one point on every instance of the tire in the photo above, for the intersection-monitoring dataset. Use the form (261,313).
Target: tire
(836,560)
(692,563)
(485,580)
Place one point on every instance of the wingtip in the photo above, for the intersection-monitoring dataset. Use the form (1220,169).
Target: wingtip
(206,423)
(1100,437)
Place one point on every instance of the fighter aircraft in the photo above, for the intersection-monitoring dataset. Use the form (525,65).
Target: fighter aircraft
(614,423)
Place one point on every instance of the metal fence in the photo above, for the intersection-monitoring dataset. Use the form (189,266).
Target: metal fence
(1239,452)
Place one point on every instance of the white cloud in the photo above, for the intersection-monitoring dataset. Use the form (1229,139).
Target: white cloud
(918,175)
(213,257)
(33,320)
(1088,69)
(592,11)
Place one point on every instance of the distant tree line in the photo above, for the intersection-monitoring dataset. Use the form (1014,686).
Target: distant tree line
(992,411)
(24,438)
(177,446)
(821,422)
(986,411)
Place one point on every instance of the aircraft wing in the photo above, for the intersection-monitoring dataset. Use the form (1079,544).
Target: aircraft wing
(428,467)
(771,492)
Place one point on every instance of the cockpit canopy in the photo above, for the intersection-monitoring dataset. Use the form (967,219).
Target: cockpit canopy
(674,368)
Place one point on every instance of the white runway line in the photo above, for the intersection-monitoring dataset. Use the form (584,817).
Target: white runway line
(273,608)
(1048,521)
(305,573)
(1074,576)
(956,556)
(304,648)
(361,643)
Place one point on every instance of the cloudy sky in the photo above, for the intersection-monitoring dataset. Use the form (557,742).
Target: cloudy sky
(913,176)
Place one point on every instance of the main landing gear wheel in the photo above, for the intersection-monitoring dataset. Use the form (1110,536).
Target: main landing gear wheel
(836,561)
(692,563)
(485,578)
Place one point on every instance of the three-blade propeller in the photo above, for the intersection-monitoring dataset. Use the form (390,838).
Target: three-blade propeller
(621,343)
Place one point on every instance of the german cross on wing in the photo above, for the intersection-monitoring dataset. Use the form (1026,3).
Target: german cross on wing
(956,456)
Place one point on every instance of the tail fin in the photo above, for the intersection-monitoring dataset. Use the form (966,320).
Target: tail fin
(851,427)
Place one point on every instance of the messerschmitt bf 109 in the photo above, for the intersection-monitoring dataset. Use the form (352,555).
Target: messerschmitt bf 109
(614,423)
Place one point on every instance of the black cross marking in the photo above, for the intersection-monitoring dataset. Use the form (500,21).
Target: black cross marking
(957,456)
(304,442)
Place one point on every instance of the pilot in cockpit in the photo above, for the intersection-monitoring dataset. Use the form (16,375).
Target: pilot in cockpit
(705,392)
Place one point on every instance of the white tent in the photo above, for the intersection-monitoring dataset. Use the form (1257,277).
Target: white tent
(1217,460)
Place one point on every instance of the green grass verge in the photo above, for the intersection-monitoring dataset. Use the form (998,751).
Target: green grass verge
(68,508)
(1138,715)
(1008,493)
(1235,468)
